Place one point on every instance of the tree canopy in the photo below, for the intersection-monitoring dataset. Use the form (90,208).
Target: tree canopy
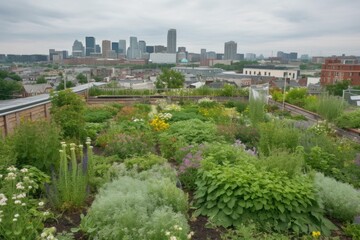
(9,87)
(170,79)
(41,79)
(82,79)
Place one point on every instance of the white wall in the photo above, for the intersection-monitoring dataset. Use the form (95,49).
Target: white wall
(163,57)
(292,74)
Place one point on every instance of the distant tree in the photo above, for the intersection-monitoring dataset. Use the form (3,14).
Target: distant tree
(82,79)
(41,80)
(6,74)
(97,79)
(337,88)
(170,79)
(69,84)
(8,88)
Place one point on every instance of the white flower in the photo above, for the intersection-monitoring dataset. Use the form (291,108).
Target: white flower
(41,204)
(43,234)
(20,186)
(10,176)
(167,233)
(3,199)
(46,213)
(23,204)
(1,175)
(16,215)
(21,195)
(17,202)
(24,170)
(0,220)
(173,238)
(26,179)
(179,228)
(30,187)
(14,219)
(11,169)
(190,235)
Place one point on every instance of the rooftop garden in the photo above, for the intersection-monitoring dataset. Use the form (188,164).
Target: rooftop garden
(195,170)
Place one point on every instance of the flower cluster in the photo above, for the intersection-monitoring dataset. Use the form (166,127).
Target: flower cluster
(165,116)
(322,127)
(315,234)
(192,159)
(159,124)
(163,105)
(17,209)
(48,234)
(205,99)
(250,151)
(177,229)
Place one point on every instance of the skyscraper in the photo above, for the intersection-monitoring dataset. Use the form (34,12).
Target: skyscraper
(122,47)
(115,47)
(230,50)
(142,46)
(133,51)
(106,48)
(97,48)
(77,49)
(89,45)
(171,41)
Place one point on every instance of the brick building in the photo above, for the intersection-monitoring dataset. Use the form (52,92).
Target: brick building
(335,70)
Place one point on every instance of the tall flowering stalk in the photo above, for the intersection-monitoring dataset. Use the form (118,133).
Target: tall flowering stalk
(69,188)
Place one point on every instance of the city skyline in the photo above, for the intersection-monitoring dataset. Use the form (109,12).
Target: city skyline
(259,26)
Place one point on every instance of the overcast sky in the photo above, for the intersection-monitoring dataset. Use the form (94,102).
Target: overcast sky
(314,27)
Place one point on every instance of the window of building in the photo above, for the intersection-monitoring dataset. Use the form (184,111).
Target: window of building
(250,72)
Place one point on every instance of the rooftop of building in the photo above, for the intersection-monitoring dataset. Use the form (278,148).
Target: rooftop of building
(269,67)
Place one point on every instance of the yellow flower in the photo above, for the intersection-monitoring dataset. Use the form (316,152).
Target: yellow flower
(316,234)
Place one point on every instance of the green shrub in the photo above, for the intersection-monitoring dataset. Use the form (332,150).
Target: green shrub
(238,105)
(282,160)
(67,110)
(93,129)
(297,96)
(349,120)
(182,116)
(37,144)
(340,200)
(144,162)
(278,135)
(352,230)
(249,135)
(127,145)
(193,131)
(234,194)
(97,115)
(130,208)
(7,152)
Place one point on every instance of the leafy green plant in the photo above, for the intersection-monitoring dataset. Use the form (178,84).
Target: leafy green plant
(99,114)
(21,215)
(7,152)
(69,188)
(138,208)
(67,110)
(282,160)
(127,145)
(340,200)
(297,96)
(349,120)
(144,162)
(352,230)
(36,143)
(232,194)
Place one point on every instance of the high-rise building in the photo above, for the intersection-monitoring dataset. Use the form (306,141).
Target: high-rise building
(122,47)
(106,48)
(202,54)
(142,46)
(149,49)
(97,48)
(171,41)
(89,45)
(159,49)
(250,56)
(115,47)
(133,50)
(230,51)
(78,49)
